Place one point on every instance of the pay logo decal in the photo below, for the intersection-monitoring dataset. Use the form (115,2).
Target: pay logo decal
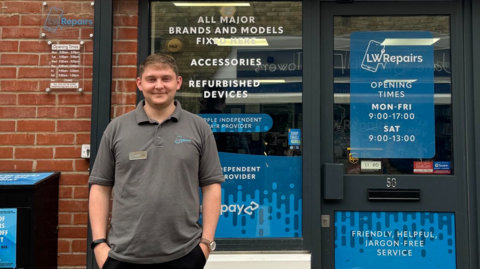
(55,19)
(239,209)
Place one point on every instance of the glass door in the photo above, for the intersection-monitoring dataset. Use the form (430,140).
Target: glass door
(392,137)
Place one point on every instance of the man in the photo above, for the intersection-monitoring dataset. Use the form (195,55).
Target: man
(155,158)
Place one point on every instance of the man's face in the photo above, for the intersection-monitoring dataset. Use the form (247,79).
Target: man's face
(159,85)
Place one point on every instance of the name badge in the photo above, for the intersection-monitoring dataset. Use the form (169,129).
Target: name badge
(138,155)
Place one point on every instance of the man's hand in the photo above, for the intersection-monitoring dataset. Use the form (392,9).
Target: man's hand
(101,254)
(205,251)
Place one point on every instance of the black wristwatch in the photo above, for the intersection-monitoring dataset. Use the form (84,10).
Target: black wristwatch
(98,242)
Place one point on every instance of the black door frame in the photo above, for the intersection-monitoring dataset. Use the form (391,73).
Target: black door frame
(459,48)
(472,22)
(101,89)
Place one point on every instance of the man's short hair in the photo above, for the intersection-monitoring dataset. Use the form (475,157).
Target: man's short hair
(158,60)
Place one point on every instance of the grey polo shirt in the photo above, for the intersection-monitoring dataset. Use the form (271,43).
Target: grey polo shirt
(156,171)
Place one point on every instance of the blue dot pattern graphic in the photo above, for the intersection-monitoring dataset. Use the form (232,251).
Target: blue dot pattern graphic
(401,240)
(268,203)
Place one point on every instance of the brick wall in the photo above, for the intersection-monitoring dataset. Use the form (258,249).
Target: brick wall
(124,58)
(42,131)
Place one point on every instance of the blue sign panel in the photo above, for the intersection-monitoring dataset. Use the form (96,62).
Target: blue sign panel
(261,196)
(401,240)
(22,178)
(294,136)
(8,237)
(238,123)
(392,95)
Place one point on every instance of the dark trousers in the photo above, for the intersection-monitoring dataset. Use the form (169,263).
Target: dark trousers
(193,260)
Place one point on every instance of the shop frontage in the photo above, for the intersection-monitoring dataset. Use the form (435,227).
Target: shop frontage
(347,130)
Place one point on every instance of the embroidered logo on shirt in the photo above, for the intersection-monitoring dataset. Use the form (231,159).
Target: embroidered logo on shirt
(180,140)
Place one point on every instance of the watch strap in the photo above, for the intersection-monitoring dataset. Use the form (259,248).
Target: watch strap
(98,242)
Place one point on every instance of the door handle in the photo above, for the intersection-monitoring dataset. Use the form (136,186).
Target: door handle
(333,181)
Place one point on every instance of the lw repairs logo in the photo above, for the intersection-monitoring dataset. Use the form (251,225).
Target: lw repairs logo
(376,55)
(180,140)
(55,20)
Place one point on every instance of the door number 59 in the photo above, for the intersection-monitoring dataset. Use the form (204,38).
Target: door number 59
(391,182)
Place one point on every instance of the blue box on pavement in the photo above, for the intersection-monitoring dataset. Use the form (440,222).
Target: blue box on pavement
(28,220)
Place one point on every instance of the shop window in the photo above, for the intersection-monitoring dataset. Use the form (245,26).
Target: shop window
(242,70)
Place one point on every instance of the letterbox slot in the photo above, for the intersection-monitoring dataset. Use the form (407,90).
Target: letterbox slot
(394,194)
